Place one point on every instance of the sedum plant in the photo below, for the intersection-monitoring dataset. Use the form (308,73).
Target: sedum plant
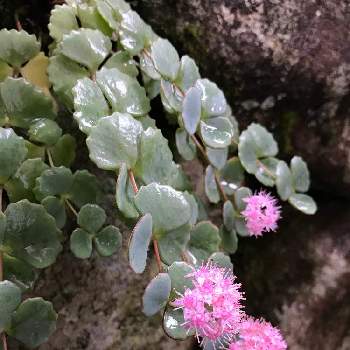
(105,66)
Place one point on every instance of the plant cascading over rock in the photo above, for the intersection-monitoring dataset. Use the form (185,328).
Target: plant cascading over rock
(104,67)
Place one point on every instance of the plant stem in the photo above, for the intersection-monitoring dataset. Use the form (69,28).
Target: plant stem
(133,181)
(156,252)
(50,158)
(70,206)
(260,164)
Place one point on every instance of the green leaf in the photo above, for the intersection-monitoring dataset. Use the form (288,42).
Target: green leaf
(108,241)
(147,122)
(165,58)
(63,152)
(81,243)
(91,217)
(55,207)
(123,92)
(24,102)
(17,47)
(168,207)
(33,322)
(45,131)
(89,104)
(173,244)
(185,145)
(264,141)
(31,234)
(124,203)
(34,151)
(178,272)
(119,6)
(300,174)
(62,21)
(284,183)
(222,260)
(156,294)
(84,188)
(304,203)
(29,170)
(5,71)
(266,172)
(107,14)
(217,156)
(53,181)
(155,163)
(15,191)
(147,66)
(2,226)
(139,243)
(12,153)
(241,227)
(229,240)
(247,152)
(211,188)
(213,99)
(134,33)
(19,272)
(173,321)
(171,98)
(194,207)
(229,215)
(10,298)
(87,47)
(204,240)
(217,132)
(191,109)
(114,141)
(188,73)
(240,194)
(123,62)
(63,75)
(231,176)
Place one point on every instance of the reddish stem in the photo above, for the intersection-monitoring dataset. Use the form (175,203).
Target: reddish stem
(156,252)
(133,182)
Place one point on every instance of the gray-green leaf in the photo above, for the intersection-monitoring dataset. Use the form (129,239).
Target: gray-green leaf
(211,188)
(10,297)
(108,241)
(81,244)
(217,132)
(191,109)
(304,203)
(284,183)
(300,174)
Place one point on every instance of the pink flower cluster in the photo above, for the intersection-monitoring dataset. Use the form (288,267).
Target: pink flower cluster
(261,213)
(258,335)
(212,308)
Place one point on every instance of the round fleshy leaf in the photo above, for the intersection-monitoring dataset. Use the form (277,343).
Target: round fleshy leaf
(229,215)
(247,152)
(55,207)
(87,47)
(165,58)
(89,104)
(213,99)
(15,191)
(123,92)
(217,132)
(19,272)
(134,33)
(107,14)
(108,241)
(156,294)
(63,152)
(91,217)
(2,226)
(178,272)
(123,62)
(17,47)
(266,172)
(300,174)
(147,67)
(62,21)
(119,6)
(173,244)
(304,203)
(241,227)
(217,156)
(240,194)
(204,240)
(33,322)
(147,122)
(139,243)
(173,321)
(229,240)
(232,176)
(114,141)
(34,151)
(191,109)
(172,99)
(211,187)
(222,260)
(185,145)
(12,153)
(31,234)
(81,244)
(168,207)
(188,73)
(194,207)
(44,131)
(63,75)
(284,183)
(5,71)
(265,143)
(155,163)
(53,181)
(10,298)
(24,102)
(84,188)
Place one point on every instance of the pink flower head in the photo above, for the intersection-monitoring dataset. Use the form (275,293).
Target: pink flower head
(258,335)
(261,213)
(212,307)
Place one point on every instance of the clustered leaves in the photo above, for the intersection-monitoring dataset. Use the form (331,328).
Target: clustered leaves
(104,67)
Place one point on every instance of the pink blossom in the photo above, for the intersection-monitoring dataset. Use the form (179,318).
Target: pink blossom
(261,213)
(212,307)
(258,335)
